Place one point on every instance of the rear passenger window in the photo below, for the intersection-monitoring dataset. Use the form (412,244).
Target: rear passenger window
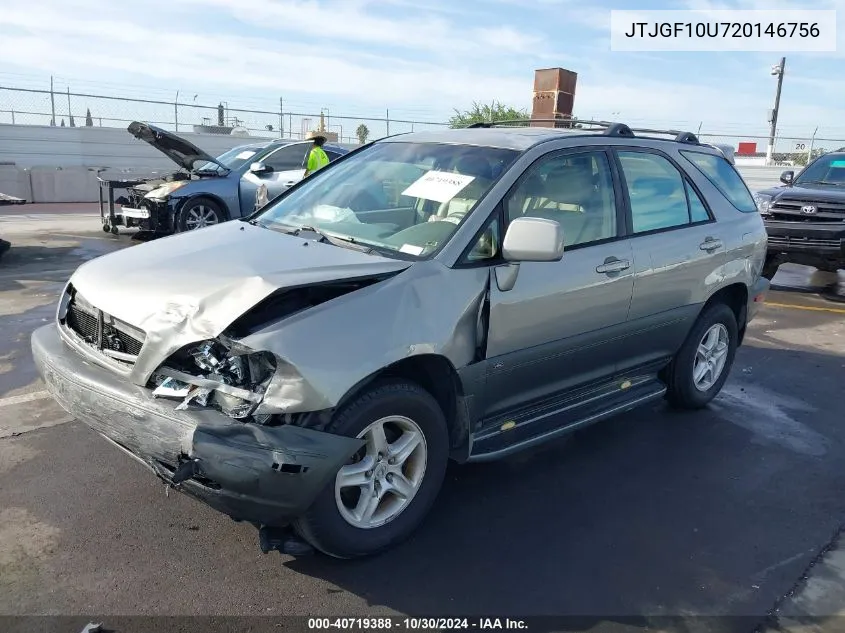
(724,177)
(657,190)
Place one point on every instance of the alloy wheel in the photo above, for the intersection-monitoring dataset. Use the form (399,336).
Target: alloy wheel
(200,216)
(384,475)
(710,357)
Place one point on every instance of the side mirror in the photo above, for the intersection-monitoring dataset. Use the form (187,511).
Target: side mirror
(533,240)
(260,168)
(787,177)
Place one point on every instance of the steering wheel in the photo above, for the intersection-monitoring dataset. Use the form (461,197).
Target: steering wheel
(363,201)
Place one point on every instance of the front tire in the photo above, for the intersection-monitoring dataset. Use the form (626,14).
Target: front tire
(700,368)
(384,493)
(197,214)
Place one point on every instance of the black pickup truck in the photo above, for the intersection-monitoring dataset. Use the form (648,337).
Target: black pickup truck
(805,218)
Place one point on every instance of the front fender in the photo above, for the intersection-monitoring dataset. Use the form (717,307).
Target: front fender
(325,351)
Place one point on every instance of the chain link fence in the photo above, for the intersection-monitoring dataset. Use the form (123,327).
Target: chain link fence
(788,150)
(28,106)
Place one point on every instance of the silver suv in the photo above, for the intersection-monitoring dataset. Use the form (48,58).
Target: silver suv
(460,294)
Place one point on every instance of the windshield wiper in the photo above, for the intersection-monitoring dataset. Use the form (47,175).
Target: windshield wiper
(819,182)
(345,241)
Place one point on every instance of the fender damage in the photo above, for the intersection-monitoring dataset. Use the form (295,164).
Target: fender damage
(190,406)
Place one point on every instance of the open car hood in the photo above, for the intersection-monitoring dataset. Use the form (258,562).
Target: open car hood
(182,152)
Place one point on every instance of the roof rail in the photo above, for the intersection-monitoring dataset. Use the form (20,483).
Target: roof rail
(608,128)
(619,129)
(564,123)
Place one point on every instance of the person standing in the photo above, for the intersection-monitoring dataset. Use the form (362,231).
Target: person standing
(317,157)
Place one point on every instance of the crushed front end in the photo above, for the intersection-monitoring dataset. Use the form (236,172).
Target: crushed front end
(197,423)
(149,205)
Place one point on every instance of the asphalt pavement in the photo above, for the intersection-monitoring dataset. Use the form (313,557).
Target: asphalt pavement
(703,515)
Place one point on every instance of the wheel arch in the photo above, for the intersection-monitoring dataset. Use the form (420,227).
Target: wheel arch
(735,296)
(204,195)
(437,376)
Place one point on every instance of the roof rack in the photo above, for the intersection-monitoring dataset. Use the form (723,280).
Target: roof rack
(606,127)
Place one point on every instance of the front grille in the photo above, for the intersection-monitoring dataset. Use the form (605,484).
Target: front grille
(108,335)
(806,242)
(790,210)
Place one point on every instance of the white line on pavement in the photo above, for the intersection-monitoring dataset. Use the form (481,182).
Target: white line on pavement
(33,274)
(26,397)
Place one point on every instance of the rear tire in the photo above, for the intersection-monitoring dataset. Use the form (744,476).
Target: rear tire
(697,375)
(334,524)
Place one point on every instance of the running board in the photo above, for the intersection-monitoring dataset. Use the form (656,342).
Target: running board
(540,424)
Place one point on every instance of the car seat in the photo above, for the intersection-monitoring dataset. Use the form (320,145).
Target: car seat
(457,207)
(571,200)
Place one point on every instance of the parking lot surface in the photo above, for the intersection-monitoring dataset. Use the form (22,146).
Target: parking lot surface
(718,512)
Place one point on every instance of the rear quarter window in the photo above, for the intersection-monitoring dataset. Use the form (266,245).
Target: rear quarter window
(724,177)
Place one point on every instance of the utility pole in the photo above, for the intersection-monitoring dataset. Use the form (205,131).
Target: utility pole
(812,142)
(776,70)
(387,119)
(176,110)
(281,118)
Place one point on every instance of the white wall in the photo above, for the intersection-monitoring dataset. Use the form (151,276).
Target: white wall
(59,164)
(115,148)
(759,177)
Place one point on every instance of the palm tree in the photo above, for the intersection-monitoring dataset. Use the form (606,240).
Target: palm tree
(363,132)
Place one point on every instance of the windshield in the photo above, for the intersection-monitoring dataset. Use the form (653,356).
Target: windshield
(402,197)
(828,170)
(234,158)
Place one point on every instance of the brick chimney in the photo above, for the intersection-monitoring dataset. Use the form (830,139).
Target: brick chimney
(554,96)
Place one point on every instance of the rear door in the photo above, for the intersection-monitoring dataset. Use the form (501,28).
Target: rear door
(678,255)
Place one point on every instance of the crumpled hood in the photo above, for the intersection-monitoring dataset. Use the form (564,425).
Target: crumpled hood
(193,285)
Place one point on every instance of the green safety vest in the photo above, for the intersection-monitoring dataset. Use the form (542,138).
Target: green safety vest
(317,159)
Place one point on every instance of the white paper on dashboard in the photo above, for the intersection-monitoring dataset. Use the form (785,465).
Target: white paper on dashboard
(440,186)
(411,249)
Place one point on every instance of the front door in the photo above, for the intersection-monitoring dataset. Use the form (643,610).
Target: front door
(287,163)
(553,330)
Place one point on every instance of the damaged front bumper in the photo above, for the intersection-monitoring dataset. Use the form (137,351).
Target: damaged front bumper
(262,474)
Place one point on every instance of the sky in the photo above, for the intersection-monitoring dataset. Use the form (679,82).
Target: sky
(419,59)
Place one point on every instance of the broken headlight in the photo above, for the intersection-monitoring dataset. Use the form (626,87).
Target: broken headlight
(213,374)
(164,190)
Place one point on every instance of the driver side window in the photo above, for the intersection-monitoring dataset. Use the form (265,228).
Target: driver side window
(574,190)
(288,158)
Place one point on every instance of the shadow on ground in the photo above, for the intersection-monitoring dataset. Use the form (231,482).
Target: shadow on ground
(658,512)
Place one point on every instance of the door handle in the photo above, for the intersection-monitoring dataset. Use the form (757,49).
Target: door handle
(710,245)
(613,265)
